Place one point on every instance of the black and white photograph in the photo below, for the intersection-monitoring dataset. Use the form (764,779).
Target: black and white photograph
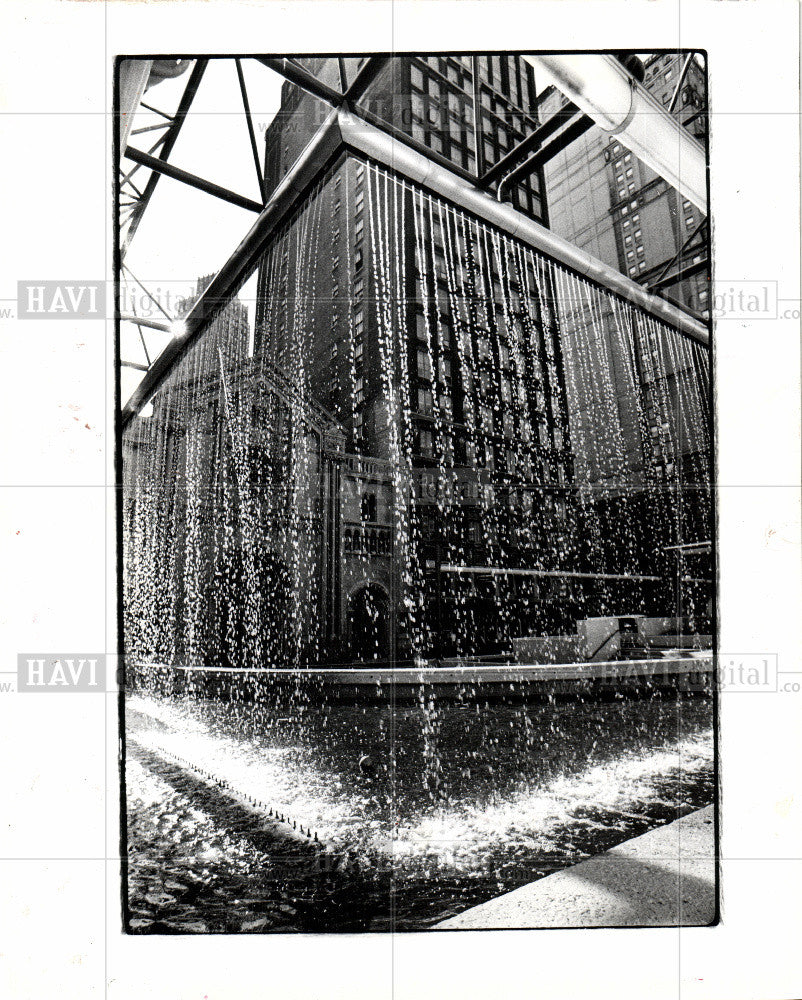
(418,594)
(400,508)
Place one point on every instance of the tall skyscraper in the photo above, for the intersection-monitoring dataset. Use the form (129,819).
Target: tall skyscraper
(434,342)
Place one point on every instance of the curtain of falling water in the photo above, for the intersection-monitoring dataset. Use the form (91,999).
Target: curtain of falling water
(579,422)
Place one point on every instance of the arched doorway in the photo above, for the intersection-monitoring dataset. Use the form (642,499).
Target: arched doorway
(369,623)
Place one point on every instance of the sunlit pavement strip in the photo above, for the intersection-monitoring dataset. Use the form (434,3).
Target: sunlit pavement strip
(663,878)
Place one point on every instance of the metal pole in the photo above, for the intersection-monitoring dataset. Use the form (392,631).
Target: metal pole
(208,187)
(302,78)
(533,141)
(249,121)
(571,132)
(167,141)
(603,89)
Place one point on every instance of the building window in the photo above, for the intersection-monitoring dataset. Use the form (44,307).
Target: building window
(425,442)
(369,507)
(424,365)
(425,402)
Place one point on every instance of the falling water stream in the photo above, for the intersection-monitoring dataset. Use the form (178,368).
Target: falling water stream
(579,424)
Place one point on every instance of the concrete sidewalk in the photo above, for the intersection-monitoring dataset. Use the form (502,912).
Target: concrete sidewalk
(663,878)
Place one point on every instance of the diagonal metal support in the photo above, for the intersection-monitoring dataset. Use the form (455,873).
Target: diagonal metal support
(365,76)
(575,128)
(533,141)
(296,74)
(678,89)
(159,166)
(249,121)
(167,141)
(677,258)
(239,265)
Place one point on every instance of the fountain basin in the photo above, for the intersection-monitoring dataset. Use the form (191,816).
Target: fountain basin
(507,682)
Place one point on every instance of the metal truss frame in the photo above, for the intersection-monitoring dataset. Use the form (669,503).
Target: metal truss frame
(350,128)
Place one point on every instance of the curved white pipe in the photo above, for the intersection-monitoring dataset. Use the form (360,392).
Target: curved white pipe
(601,87)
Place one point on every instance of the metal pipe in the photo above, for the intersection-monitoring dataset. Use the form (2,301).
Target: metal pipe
(603,89)
(151,324)
(302,78)
(249,122)
(399,157)
(166,141)
(574,130)
(208,187)
(365,76)
(533,141)
(672,104)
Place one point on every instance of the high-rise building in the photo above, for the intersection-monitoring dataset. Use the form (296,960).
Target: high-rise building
(433,341)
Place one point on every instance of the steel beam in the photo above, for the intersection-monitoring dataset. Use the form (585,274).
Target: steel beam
(572,131)
(302,78)
(163,167)
(681,274)
(167,141)
(165,326)
(680,83)
(365,76)
(533,141)
(249,121)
